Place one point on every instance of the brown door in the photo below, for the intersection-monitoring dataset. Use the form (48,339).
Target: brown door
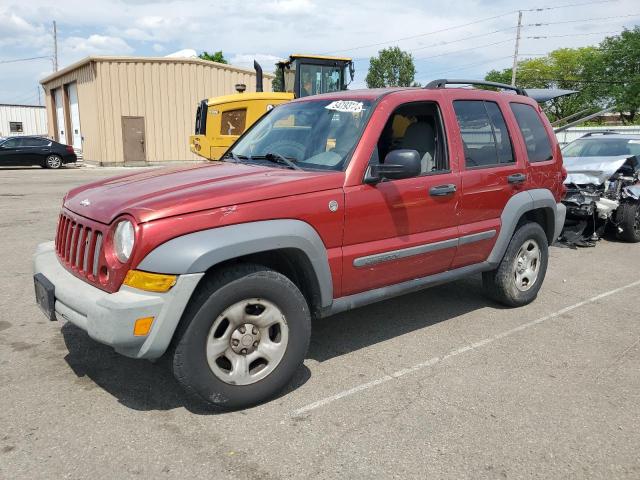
(133,140)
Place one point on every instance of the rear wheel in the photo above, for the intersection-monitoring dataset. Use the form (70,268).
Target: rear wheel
(519,276)
(243,338)
(628,219)
(53,161)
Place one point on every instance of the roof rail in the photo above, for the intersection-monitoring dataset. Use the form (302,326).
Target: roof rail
(604,132)
(443,82)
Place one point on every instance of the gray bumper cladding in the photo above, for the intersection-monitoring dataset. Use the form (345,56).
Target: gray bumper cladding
(109,317)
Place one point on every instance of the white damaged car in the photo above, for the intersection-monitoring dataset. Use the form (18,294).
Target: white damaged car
(603,187)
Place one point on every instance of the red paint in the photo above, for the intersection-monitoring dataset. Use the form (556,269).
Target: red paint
(167,203)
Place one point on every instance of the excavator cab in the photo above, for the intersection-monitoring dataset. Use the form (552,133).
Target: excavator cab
(305,75)
(221,120)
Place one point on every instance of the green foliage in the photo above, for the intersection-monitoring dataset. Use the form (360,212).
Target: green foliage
(213,57)
(603,75)
(620,62)
(277,85)
(391,68)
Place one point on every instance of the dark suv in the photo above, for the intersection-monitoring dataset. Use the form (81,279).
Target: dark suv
(32,150)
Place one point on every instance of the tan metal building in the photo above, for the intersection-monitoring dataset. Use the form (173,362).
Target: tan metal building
(135,110)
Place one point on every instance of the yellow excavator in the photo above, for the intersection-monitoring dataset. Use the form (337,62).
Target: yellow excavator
(221,120)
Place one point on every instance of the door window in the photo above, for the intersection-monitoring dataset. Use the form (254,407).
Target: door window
(11,143)
(34,142)
(415,126)
(533,131)
(485,137)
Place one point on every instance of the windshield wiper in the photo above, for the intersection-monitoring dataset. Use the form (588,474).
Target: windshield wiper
(236,158)
(277,158)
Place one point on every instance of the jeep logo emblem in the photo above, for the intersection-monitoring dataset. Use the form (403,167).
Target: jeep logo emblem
(85,202)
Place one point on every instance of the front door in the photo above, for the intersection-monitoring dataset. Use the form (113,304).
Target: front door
(10,154)
(399,230)
(133,139)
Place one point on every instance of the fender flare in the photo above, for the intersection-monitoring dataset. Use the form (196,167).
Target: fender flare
(518,205)
(197,252)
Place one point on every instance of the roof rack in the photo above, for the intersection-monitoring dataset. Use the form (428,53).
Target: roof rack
(443,82)
(604,132)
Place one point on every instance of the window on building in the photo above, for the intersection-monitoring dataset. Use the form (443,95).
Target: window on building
(15,127)
(533,131)
(233,122)
(484,133)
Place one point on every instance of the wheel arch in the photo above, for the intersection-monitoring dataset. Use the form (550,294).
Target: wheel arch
(539,206)
(291,247)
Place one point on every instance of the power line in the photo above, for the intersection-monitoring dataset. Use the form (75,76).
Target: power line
(470,65)
(455,27)
(538,37)
(599,19)
(23,59)
(463,50)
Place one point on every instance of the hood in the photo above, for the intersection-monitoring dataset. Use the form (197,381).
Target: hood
(592,170)
(158,193)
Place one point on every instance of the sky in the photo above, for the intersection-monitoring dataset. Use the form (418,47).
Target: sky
(462,38)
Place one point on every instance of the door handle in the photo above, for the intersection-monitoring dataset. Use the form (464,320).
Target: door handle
(516,178)
(442,190)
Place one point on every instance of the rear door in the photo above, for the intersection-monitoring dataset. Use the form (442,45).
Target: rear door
(399,230)
(540,147)
(34,150)
(491,172)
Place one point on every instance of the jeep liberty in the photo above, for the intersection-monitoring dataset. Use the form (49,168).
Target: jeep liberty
(325,204)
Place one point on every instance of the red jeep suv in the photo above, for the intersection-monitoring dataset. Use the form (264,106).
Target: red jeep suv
(326,204)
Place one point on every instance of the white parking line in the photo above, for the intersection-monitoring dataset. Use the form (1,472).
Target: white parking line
(458,351)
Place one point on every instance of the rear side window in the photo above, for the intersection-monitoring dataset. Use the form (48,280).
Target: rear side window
(34,142)
(484,133)
(533,132)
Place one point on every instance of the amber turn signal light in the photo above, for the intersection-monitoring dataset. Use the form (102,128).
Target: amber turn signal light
(151,282)
(142,326)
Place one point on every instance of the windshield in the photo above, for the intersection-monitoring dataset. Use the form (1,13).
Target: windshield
(602,147)
(316,134)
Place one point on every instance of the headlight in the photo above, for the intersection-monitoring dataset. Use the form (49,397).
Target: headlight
(123,240)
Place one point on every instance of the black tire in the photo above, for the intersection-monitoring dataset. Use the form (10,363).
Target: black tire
(628,219)
(500,284)
(225,288)
(53,162)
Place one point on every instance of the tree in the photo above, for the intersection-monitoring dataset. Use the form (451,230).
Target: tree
(391,68)
(213,57)
(565,68)
(619,72)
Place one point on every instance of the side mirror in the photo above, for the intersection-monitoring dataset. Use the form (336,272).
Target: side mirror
(397,164)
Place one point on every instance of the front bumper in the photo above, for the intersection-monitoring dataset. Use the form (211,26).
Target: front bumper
(561,215)
(109,317)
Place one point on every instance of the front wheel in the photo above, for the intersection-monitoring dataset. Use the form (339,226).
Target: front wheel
(53,161)
(243,337)
(628,219)
(520,274)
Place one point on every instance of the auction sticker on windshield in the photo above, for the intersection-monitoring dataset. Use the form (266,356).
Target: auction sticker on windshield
(349,106)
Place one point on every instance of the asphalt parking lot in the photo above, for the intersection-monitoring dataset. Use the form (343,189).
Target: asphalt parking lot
(437,384)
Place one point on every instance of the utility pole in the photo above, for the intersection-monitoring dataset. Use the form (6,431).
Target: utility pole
(55,47)
(39,101)
(515,53)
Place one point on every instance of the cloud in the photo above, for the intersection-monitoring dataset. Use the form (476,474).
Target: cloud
(266,60)
(95,45)
(158,47)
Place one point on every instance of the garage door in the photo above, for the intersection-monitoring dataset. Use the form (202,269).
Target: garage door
(57,98)
(74,113)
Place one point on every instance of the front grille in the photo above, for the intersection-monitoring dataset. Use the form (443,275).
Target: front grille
(79,246)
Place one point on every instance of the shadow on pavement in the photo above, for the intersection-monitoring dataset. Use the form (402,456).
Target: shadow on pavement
(142,385)
(138,384)
(375,323)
